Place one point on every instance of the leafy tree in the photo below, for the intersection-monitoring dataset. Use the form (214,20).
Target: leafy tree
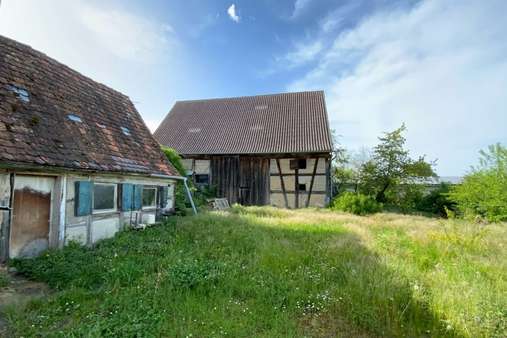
(391,166)
(483,192)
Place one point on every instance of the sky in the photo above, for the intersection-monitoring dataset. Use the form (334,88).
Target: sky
(438,66)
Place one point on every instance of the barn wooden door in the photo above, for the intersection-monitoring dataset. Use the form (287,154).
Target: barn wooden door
(31,208)
(224,176)
(253,181)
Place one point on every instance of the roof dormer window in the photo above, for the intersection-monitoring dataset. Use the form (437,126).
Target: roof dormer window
(21,93)
(74,118)
(125,131)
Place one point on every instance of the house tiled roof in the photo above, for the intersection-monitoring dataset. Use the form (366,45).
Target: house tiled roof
(265,124)
(52,116)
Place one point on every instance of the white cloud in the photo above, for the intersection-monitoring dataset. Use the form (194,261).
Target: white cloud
(127,35)
(232,13)
(440,67)
(302,54)
(299,6)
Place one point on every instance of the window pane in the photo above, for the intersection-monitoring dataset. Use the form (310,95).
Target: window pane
(149,197)
(103,197)
(201,179)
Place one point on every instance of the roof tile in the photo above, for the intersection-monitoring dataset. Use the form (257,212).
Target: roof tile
(278,123)
(38,130)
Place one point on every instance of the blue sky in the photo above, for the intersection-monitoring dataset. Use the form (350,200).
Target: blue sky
(439,66)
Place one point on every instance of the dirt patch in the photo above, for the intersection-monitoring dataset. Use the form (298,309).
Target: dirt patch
(17,292)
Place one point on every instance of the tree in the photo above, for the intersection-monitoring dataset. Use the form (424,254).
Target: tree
(483,192)
(391,166)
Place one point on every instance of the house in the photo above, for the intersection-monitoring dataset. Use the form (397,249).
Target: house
(255,150)
(77,161)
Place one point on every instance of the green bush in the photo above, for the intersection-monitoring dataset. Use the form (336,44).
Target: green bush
(437,201)
(405,198)
(355,203)
(175,159)
(483,193)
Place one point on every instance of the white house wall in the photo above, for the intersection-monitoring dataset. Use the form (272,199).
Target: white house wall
(64,226)
(91,228)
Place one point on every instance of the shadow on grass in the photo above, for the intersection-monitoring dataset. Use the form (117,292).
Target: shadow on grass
(236,274)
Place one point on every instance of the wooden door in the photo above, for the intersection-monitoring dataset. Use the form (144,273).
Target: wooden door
(224,176)
(29,233)
(253,181)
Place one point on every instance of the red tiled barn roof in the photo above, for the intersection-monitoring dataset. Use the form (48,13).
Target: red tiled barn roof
(52,116)
(275,124)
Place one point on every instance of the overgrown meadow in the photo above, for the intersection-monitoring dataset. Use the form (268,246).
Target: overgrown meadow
(265,272)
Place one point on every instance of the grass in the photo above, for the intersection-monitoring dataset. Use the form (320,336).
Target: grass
(265,272)
(4,279)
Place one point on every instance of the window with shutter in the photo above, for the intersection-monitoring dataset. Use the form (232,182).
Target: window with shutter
(83,198)
(127,196)
(138,196)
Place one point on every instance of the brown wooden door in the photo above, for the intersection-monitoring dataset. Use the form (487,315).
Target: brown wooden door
(253,181)
(224,176)
(29,233)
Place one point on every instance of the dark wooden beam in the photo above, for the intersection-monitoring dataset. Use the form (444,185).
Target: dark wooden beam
(311,182)
(282,183)
(316,192)
(193,171)
(296,180)
(300,174)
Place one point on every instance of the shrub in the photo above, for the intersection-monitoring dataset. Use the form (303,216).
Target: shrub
(355,203)
(175,159)
(405,198)
(437,201)
(483,193)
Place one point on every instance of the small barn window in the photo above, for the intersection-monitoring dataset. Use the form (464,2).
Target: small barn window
(21,93)
(302,187)
(104,197)
(202,179)
(299,163)
(125,131)
(74,118)
(149,197)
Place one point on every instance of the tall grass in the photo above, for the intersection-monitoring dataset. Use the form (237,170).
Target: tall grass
(267,272)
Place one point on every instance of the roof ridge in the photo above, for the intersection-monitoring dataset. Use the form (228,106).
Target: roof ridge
(252,96)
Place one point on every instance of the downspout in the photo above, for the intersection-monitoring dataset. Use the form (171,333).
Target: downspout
(184,179)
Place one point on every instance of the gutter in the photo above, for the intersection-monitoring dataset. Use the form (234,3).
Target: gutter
(180,178)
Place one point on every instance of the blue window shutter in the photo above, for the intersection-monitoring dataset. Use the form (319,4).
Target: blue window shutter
(127,194)
(138,196)
(162,196)
(83,198)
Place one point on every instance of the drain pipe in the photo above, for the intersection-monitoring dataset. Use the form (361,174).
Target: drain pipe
(187,189)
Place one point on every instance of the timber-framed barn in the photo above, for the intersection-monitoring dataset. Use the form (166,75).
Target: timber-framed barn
(255,150)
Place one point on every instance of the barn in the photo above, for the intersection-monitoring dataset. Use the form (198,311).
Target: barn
(77,162)
(255,150)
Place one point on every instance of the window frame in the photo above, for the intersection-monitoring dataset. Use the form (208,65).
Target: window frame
(298,163)
(154,206)
(115,197)
(201,176)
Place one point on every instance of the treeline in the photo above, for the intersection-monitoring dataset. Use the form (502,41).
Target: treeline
(388,178)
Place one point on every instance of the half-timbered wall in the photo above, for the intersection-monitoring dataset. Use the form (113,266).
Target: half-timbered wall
(285,186)
(255,180)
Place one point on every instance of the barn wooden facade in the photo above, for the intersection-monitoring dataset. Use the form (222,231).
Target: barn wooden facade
(77,163)
(258,150)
